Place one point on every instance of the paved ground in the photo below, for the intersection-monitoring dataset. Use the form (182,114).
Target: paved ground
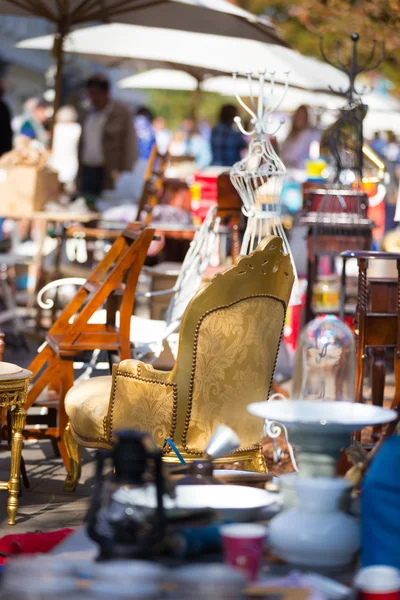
(45,506)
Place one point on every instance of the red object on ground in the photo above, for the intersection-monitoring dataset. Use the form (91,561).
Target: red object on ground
(208,195)
(31,543)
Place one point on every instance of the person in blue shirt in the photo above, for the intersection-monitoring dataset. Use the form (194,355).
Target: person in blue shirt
(227,143)
(378,144)
(145,133)
(33,123)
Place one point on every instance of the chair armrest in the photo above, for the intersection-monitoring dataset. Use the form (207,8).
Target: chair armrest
(141,370)
(144,399)
(156,293)
(49,303)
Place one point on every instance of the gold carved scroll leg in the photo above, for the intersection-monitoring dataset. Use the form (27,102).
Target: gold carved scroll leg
(18,420)
(74,455)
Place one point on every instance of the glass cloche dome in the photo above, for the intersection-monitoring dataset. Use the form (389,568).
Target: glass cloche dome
(325,361)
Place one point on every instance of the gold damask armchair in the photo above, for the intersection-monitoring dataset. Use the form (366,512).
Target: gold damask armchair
(228,345)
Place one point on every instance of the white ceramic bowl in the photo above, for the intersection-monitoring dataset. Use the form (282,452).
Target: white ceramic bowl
(233,502)
(309,416)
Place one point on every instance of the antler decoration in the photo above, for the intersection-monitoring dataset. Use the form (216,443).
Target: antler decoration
(260,112)
(355,68)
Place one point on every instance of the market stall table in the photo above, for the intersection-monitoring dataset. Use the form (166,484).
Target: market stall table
(43,219)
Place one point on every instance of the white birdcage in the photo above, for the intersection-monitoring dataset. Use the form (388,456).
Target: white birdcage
(259,177)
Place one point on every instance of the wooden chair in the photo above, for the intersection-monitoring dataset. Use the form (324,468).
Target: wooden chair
(377,324)
(150,335)
(72,334)
(153,184)
(228,346)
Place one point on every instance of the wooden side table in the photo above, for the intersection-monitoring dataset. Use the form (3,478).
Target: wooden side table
(378,324)
(14,383)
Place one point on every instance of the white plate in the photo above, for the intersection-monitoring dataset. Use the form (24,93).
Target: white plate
(230,472)
(235,502)
(332,416)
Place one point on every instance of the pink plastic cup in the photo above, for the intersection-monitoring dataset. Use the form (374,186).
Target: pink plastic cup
(378,582)
(243,545)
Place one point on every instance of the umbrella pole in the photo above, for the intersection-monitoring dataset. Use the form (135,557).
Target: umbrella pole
(196,99)
(58,51)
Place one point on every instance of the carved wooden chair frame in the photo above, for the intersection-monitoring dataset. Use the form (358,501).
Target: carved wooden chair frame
(71,334)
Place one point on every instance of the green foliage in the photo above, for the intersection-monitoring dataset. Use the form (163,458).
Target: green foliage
(174,106)
(301,22)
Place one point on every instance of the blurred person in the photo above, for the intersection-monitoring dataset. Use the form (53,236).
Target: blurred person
(205,130)
(6,133)
(392,160)
(34,122)
(195,145)
(295,150)
(177,143)
(145,133)
(108,144)
(227,143)
(392,150)
(378,144)
(64,157)
(187,142)
(163,135)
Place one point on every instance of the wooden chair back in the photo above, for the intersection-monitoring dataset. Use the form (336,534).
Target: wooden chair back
(153,184)
(117,272)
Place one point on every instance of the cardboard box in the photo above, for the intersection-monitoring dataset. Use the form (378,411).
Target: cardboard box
(24,189)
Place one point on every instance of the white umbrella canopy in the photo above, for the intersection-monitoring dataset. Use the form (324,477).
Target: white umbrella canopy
(212,16)
(209,52)
(161,79)
(376,102)
(166,79)
(383,113)
(205,16)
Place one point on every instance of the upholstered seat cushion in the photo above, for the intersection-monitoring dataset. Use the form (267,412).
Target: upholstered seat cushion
(87,405)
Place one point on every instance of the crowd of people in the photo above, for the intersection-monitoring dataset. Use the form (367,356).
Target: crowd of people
(108,146)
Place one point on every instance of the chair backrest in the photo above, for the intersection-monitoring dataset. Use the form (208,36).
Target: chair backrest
(153,184)
(122,264)
(228,346)
(192,270)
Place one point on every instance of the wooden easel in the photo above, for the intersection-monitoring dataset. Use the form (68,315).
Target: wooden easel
(72,334)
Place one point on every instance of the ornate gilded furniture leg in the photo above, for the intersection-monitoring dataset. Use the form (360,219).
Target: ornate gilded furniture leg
(18,420)
(74,455)
(228,346)
(14,383)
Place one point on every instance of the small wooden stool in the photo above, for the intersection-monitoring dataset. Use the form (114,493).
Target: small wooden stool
(14,383)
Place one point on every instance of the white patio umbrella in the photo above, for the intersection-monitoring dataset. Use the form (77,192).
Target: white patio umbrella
(165,79)
(206,16)
(125,44)
(382,107)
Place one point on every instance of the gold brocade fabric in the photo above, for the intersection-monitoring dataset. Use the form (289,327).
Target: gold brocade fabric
(228,343)
(234,364)
(145,404)
(87,404)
